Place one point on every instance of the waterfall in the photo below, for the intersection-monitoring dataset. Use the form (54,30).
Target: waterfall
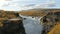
(32,25)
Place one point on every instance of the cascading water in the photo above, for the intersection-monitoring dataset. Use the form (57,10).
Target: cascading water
(32,25)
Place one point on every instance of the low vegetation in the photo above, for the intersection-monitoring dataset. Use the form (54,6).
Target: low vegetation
(38,12)
(6,15)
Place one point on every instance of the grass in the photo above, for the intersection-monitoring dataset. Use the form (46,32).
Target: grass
(56,29)
(38,12)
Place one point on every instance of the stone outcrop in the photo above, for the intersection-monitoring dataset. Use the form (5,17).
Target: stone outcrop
(12,27)
(11,23)
(49,21)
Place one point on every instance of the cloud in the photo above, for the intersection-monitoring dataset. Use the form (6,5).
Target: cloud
(17,5)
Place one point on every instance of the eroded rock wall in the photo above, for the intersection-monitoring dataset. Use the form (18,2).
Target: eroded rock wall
(10,26)
(49,21)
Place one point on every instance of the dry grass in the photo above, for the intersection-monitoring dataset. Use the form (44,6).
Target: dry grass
(4,15)
(38,12)
(32,13)
(56,29)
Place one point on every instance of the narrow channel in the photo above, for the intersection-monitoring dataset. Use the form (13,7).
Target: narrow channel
(32,25)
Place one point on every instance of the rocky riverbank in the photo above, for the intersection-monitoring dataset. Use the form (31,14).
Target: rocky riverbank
(49,22)
(11,23)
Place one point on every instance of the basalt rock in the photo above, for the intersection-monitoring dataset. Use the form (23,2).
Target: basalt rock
(12,27)
(49,21)
(9,24)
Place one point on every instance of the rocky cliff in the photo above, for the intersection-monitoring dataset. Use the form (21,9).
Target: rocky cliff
(11,23)
(49,22)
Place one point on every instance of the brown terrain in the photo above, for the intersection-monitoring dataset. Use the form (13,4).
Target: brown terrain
(38,12)
(5,15)
(56,29)
(50,20)
(8,26)
(34,12)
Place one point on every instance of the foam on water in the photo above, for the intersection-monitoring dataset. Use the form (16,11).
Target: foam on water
(32,25)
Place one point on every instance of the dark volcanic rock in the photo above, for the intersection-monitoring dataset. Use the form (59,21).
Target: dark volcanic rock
(49,21)
(8,26)
(12,27)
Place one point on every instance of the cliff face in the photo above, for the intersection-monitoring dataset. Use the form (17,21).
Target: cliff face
(56,28)
(49,22)
(5,15)
(10,26)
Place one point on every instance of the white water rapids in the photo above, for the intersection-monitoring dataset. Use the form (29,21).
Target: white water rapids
(32,25)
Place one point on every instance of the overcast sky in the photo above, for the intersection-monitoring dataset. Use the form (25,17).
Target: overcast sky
(17,5)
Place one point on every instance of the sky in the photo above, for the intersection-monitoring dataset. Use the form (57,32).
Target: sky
(17,5)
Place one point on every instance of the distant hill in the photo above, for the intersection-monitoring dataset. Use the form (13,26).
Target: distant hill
(38,12)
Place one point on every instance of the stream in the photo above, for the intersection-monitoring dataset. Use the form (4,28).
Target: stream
(32,25)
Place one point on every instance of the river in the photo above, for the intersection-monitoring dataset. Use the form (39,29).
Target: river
(32,25)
